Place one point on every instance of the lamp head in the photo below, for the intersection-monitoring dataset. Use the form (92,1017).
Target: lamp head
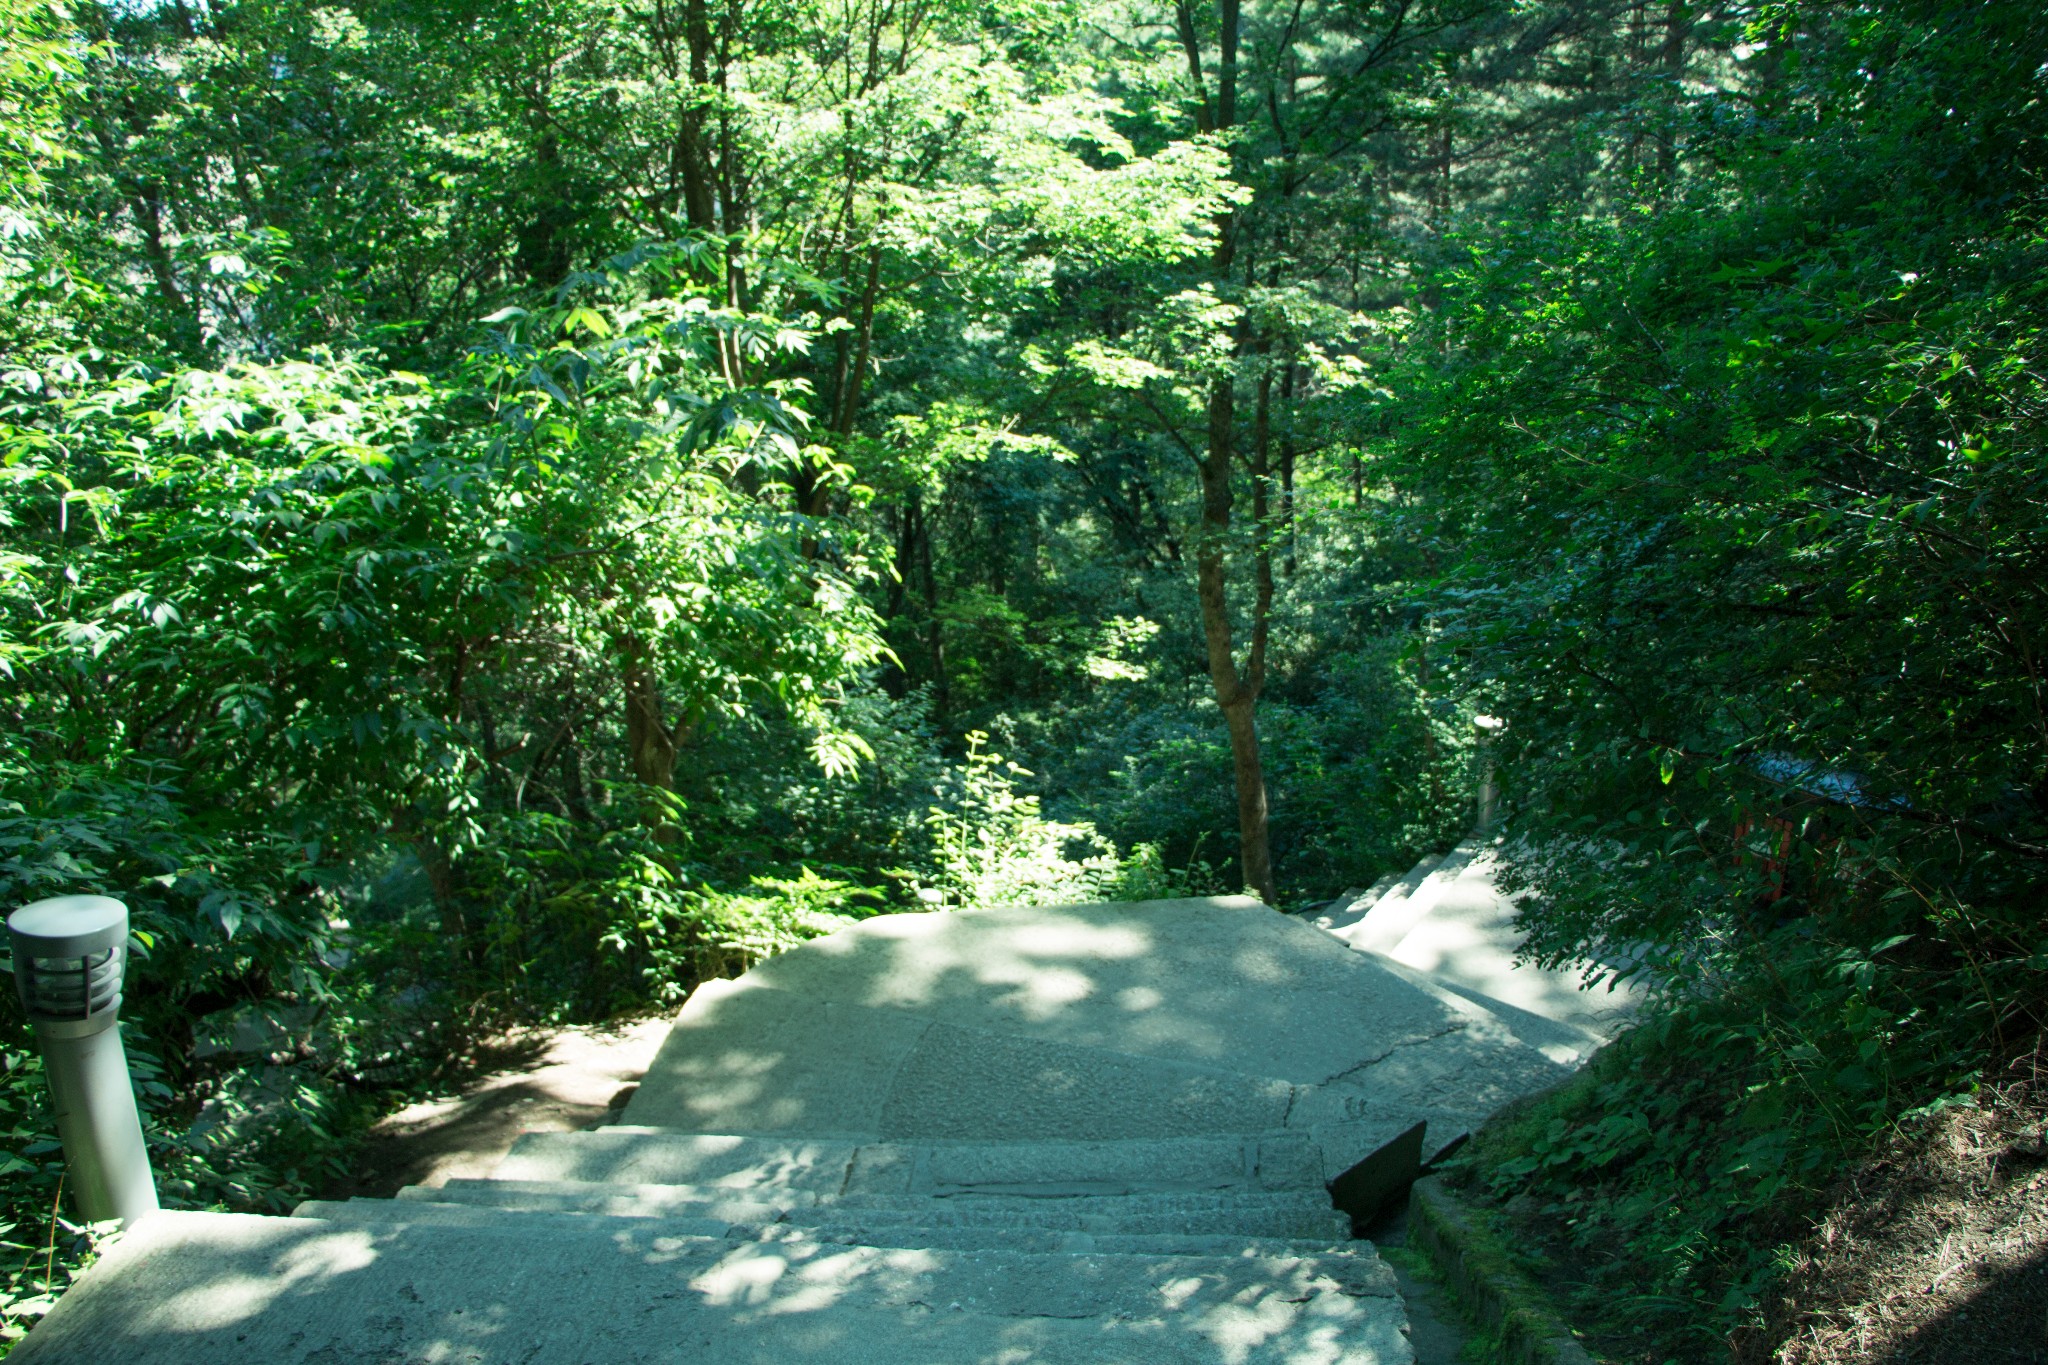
(70,954)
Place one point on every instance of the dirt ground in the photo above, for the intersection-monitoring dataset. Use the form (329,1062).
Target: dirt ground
(552,1081)
(1935,1252)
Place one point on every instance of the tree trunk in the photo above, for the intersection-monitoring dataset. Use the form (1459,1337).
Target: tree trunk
(1430,752)
(651,742)
(649,745)
(1671,60)
(895,674)
(810,483)
(543,255)
(442,885)
(735,195)
(935,636)
(1287,453)
(853,362)
(1236,693)
(1248,769)
(1262,534)
(575,789)
(146,201)
(691,148)
(1161,527)
(446,889)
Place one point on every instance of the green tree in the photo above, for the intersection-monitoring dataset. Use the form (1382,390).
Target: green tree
(1737,486)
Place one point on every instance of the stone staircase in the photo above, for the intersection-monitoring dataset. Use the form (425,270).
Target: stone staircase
(1106,1133)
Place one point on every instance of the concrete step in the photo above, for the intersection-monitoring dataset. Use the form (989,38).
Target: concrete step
(1271,1221)
(1250,1214)
(617,1200)
(525,1223)
(1105,1133)
(767,1165)
(439,1213)
(846,1229)
(1347,1144)
(1051,1240)
(231,1289)
(746,1165)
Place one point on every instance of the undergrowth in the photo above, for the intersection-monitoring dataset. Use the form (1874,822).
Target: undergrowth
(263,1050)
(1668,1182)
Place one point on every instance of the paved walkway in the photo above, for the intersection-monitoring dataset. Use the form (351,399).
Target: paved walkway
(1448,925)
(1110,1133)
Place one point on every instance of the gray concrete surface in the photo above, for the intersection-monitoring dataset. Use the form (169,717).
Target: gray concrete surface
(1458,928)
(1081,1133)
(1220,1213)
(1050,1240)
(1347,911)
(761,1164)
(1392,915)
(1562,1041)
(1222,982)
(761,1060)
(737,1061)
(1349,907)
(992,1233)
(622,1199)
(458,1213)
(225,1289)
(1167,1018)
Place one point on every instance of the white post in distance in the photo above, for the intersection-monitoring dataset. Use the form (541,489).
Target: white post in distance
(1486,729)
(70,954)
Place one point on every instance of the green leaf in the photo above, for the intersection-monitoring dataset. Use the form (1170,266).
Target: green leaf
(589,320)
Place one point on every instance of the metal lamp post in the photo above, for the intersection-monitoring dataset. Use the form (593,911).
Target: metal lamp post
(69,957)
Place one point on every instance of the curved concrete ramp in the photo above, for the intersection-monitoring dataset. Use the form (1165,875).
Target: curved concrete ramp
(1450,919)
(1223,982)
(1154,1019)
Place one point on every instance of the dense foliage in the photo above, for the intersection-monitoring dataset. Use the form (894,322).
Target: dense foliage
(1745,486)
(508,510)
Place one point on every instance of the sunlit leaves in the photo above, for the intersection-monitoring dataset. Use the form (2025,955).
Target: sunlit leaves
(1114,368)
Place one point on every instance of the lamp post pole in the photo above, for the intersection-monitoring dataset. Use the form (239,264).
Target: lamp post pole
(70,954)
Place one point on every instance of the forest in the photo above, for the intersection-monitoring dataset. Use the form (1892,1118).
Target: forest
(511,508)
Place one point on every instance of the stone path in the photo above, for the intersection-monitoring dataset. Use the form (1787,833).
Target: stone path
(1447,920)
(1108,1133)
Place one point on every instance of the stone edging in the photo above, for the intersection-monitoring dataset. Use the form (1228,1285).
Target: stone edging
(1476,1264)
